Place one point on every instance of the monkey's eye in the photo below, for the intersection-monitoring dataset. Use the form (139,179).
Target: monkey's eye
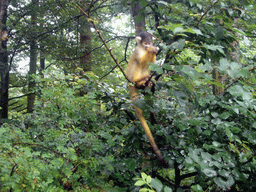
(147,44)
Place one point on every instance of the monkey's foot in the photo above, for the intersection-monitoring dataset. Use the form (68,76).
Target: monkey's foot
(143,83)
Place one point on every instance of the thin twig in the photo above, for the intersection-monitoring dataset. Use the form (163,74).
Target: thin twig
(126,47)
(111,70)
(207,12)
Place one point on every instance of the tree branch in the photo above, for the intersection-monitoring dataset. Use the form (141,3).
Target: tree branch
(184,176)
(20,96)
(207,12)
(105,44)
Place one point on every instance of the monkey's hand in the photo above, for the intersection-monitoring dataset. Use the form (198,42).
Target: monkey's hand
(152,49)
(144,82)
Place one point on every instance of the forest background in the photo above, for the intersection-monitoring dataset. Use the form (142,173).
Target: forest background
(67,124)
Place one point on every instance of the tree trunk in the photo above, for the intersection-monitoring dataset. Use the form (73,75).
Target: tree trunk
(85,43)
(42,60)
(4,68)
(41,69)
(217,90)
(139,18)
(32,64)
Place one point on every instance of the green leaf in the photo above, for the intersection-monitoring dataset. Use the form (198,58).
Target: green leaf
(216,121)
(140,183)
(194,154)
(207,66)
(148,179)
(156,184)
(225,115)
(167,189)
(214,114)
(163,2)
(206,156)
(144,3)
(209,172)
(235,130)
(229,134)
(216,144)
(215,83)
(197,188)
(251,135)
(236,110)
(163,46)
(224,183)
(224,173)
(143,176)
(254,125)
(178,30)
(178,44)
(191,72)
(194,30)
(207,132)
(139,18)
(155,67)
(146,190)
(189,161)
(224,65)
(220,33)
(214,48)
(132,164)
(167,66)
(238,90)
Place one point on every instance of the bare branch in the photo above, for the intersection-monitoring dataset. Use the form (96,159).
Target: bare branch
(105,44)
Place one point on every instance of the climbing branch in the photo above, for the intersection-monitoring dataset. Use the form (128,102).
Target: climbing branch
(104,42)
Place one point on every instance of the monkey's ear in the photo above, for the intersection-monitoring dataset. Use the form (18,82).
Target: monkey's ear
(138,39)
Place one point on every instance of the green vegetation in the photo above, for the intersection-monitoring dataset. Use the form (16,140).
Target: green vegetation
(82,133)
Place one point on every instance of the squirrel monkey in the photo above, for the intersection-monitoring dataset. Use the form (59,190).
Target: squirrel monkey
(137,72)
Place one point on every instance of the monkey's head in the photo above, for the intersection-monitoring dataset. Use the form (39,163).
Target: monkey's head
(145,40)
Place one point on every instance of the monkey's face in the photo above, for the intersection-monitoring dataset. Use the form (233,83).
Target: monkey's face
(145,40)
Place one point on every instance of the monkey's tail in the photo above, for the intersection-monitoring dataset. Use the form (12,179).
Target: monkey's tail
(146,128)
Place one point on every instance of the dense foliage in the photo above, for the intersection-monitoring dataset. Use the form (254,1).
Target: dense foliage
(83,134)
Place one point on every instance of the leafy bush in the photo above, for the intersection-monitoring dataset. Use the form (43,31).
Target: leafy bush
(60,146)
(83,134)
(71,142)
